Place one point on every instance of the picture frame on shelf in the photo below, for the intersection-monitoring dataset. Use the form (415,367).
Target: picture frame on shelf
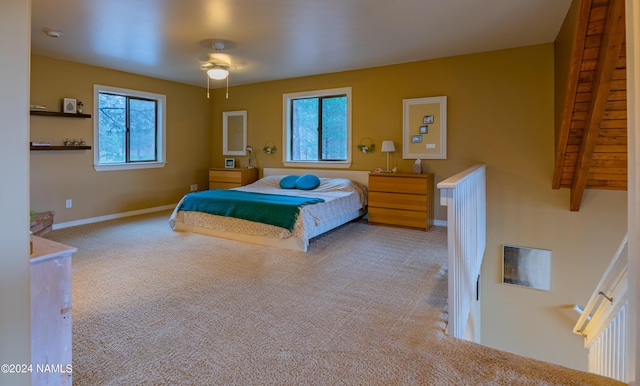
(429,116)
(229,163)
(69,106)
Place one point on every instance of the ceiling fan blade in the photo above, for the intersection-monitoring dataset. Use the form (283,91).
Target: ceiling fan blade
(219,58)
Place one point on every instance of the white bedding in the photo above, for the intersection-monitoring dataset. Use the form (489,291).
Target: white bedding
(342,199)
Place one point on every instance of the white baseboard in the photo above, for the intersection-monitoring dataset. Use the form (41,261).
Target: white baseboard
(111,217)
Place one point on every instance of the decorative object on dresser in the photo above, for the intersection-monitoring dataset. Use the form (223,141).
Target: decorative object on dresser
(417,166)
(388,147)
(424,128)
(401,199)
(229,163)
(231,177)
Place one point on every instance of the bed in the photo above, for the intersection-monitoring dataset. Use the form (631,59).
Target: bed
(343,194)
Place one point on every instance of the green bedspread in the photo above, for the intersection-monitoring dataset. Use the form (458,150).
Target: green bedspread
(272,209)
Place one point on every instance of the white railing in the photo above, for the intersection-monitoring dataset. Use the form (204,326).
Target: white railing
(604,322)
(464,195)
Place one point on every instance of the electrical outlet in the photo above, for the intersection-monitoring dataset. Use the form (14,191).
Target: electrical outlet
(69,203)
(194,187)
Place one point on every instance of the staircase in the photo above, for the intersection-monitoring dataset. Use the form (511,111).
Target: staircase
(605,322)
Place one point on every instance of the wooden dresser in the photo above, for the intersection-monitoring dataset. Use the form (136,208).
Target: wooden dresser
(226,178)
(401,199)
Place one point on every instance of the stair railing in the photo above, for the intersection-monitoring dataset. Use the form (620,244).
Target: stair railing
(604,322)
(464,195)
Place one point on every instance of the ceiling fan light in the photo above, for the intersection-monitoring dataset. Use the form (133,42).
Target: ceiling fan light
(218,73)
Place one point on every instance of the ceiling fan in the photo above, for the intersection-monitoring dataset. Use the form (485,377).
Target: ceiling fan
(218,64)
(215,68)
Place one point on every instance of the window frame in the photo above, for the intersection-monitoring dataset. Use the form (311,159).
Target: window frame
(161,154)
(287,129)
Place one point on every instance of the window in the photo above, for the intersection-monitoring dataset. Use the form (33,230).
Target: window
(317,128)
(129,129)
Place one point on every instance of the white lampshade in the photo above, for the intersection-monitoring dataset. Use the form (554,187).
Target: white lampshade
(218,73)
(388,146)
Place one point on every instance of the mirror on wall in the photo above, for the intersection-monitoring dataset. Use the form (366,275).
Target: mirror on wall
(234,133)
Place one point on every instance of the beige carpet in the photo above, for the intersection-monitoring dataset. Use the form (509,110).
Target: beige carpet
(365,306)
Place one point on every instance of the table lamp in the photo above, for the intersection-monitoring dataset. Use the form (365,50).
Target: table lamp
(387,147)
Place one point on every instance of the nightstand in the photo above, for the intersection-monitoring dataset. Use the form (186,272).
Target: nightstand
(401,199)
(225,178)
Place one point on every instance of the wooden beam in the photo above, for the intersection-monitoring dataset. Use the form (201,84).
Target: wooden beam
(570,96)
(612,40)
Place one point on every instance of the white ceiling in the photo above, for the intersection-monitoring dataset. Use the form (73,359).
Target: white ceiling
(277,39)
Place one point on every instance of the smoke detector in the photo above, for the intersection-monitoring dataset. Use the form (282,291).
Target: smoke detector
(52,33)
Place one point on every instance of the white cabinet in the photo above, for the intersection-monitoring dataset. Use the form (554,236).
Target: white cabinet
(50,284)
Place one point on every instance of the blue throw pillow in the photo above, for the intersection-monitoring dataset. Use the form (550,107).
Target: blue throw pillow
(289,182)
(307,182)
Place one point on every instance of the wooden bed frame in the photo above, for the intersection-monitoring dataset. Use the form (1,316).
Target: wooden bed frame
(292,243)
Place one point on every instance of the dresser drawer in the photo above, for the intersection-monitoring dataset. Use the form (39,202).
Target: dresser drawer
(398,201)
(223,185)
(405,218)
(231,178)
(225,175)
(398,184)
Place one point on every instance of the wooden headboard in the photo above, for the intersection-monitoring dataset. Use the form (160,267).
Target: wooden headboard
(361,176)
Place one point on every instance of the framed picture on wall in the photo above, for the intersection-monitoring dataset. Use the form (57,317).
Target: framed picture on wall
(526,267)
(432,141)
(69,106)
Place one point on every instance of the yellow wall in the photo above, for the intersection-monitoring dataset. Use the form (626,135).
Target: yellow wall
(499,103)
(500,112)
(57,176)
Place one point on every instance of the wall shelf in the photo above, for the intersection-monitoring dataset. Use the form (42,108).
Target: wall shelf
(60,147)
(58,114)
